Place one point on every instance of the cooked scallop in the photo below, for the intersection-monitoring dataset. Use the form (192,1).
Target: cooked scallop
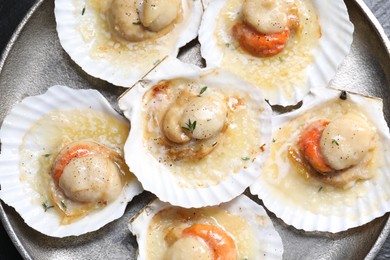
(198,137)
(239,229)
(346,141)
(328,163)
(285,47)
(120,41)
(87,172)
(62,163)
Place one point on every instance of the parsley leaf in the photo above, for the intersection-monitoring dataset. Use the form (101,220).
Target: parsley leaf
(202,91)
(64,207)
(46,205)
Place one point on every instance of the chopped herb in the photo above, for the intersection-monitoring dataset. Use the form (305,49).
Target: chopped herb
(137,23)
(83,11)
(335,142)
(245,158)
(202,91)
(320,189)
(190,126)
(46,205)
(47,155)
(227,45)
(64,207)
(214,144)
(273,140)
(343,95)
(281,59)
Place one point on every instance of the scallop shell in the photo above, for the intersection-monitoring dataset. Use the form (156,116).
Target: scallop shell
(334,44)
(242,206)
(20,194)
(157,177)
(365,201)
(76,26)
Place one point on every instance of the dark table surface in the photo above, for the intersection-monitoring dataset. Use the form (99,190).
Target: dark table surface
(11,13)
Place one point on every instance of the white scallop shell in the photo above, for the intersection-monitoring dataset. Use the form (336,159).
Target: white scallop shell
(19,194)
(334,45)
(156,177)
(242,206)
(372,202)
(68,16)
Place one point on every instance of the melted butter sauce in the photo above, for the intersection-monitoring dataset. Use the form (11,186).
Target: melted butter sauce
(94,28)
(49,135)
(294,185)
(163,222)
(237,148)
(285,71)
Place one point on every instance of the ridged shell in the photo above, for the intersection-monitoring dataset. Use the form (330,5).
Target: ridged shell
(20,194)
(124,71)
(158,178)
(365,201)
(241,206)
(334,44)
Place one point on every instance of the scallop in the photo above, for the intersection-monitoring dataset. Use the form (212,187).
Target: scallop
(239,229)
(61,164)
(328,163)
(120,41)
(286,47)
(199,136)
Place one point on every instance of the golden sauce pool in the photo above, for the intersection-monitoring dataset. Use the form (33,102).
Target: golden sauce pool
(286,179)
(240,144)
(236,226)
(45,139)
(96,34)
(285,71)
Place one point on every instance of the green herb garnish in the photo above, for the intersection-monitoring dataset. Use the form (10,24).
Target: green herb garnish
(190,126)
(137,23)
(46,205)
(320,189)
(202,91)
(83,11)
(245,158)
(335,142)
(63,205)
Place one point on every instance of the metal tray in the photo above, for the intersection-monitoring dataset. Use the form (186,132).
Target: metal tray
(34,60)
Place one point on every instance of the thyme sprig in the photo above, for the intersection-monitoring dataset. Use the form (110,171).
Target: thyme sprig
(190,126)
